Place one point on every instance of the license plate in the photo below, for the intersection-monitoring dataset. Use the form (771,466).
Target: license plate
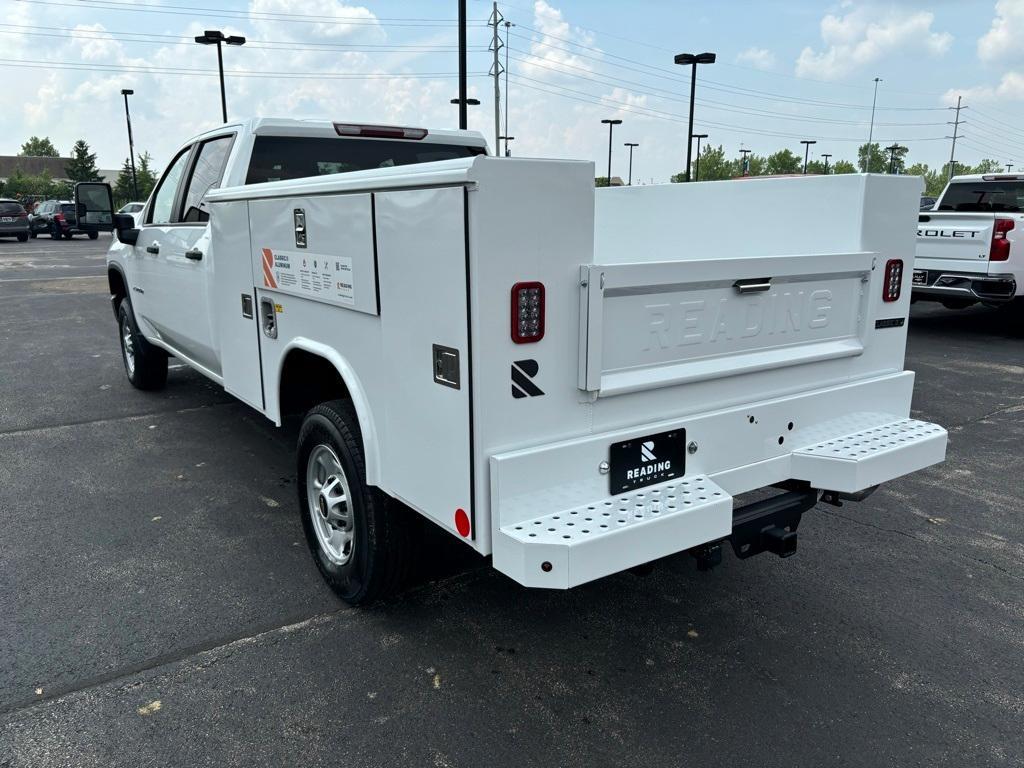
(6,219)
(920,277)
(647,460)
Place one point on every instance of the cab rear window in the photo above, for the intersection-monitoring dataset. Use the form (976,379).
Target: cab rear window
(983,196)
(277,158)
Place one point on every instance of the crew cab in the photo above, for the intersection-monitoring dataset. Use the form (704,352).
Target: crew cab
(572,381)
(969,246)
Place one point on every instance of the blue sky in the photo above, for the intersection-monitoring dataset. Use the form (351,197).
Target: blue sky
(785,71)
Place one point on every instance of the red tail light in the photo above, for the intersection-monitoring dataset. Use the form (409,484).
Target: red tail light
(893,280)
(380,131)
(527,312)
(22,215)
(1000,249)
(58,216)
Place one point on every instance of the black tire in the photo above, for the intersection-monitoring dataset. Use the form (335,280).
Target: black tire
(93,235)
(381,550)
(55,231)
(23,238)
(68,235)
(34,234)
(149,368)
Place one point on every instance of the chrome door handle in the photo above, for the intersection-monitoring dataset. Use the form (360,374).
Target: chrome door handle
(154,248)
(757,285)
(194,253)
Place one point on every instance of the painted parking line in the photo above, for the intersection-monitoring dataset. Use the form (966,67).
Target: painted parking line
(44,279)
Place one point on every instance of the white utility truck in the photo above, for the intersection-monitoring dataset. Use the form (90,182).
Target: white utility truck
(969,246)
(573,381)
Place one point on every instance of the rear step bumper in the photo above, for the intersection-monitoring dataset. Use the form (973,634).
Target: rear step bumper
(579,542)
(967,285)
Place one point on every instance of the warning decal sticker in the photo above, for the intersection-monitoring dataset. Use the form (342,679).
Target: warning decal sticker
(328,278)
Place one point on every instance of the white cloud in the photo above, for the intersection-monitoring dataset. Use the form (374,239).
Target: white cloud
(553,51)
(1004,36)
(1010,88)
(759,58)
(861,37)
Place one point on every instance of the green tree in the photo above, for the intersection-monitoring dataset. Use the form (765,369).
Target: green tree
(879,162)
(783,161)
(988,166)
(933,180)
(817,166)
(123,190)
(82,165)
(713,166)
(844,166)
(37,147)
(146,176)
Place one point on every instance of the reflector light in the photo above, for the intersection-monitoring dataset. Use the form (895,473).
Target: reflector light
(1000,248)
(893,280)
(527,312)
(380,131)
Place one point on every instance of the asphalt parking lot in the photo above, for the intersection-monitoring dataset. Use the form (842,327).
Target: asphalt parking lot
(158,605)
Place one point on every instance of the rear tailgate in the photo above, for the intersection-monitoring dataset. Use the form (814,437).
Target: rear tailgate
(651,325)
(954,242)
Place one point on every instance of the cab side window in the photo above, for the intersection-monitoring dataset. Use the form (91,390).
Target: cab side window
(206,175)
(162,211)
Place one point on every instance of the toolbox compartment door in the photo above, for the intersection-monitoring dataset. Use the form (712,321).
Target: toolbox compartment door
(658,324)
(422,263)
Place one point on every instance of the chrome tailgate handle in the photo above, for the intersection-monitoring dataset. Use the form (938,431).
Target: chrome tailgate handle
(753,285)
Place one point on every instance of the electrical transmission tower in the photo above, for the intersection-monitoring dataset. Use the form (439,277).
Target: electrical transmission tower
(956,123)
(496,72)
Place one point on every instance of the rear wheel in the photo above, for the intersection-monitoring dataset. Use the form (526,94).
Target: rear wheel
(23,237)
(359,537)
(93,235)
(55,231)
(34,234)
(67,235)
(145,364)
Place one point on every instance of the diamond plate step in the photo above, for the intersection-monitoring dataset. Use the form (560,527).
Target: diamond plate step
(588,541)
(862,459)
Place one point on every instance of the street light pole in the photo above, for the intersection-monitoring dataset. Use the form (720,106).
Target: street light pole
(693,60)
(892,156)
(462,100)
(507,139)
(631,145)
(826,155)
(216,37)
(871,130)
(1009,167)
(696,166)
(611,124)
(745,163)
(126,92)
(807,148)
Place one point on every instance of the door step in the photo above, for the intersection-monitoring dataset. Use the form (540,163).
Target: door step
(585,542)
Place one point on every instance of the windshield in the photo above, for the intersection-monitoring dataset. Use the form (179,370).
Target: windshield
(984,196)
(275,158)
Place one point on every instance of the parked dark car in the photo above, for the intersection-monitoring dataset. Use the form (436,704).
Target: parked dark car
(58,219)
(13,220)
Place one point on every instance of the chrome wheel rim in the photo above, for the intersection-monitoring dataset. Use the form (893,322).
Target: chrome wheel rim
(128,345)
(330,510)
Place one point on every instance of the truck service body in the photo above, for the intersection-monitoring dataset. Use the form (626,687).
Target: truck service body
(573,381)
(969,245)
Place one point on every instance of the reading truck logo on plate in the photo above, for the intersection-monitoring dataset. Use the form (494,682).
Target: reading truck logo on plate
(647,451)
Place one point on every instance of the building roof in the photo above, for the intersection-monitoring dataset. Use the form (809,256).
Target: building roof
(33,166)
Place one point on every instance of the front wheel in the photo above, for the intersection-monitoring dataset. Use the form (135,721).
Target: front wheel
(23,238)
(359,537)
(55,231)
(145,365)
(93,235)
(34,234)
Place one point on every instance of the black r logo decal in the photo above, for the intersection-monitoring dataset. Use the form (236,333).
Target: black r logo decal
(523,373)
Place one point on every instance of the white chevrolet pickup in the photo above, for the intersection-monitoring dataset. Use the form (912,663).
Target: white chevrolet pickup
(573,381)
(969,247)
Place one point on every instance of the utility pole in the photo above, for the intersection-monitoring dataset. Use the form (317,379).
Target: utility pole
(508,32)
(871,130)
(463,111)
(892,156)
(496,71)
(956,128)
(631,145)
(696,168)
(807,149)
(745,162)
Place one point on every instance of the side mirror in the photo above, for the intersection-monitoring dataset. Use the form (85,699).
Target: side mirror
(127,233)
(94,203)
